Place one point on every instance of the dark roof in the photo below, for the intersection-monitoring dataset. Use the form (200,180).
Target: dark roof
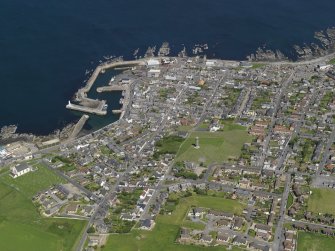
(259,246)
(206,237)
(22,167)
(223,236)
(263,227)
(240,239)
(146,223)
(238,222)
(63,189)
(224,222)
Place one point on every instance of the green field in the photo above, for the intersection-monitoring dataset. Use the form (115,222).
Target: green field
(31,183)
(22,227)
(332,61)
(214,146)
(256,66)
(167,228)
(290,200)
(314,242)
(168,145)
(322,201)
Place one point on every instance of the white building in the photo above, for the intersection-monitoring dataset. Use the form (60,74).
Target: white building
(20,170)
(153,63)
(210,63)
(169,77)
(325,67)
(154,73)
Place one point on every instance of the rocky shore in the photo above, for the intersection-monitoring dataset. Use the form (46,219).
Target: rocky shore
(324,44)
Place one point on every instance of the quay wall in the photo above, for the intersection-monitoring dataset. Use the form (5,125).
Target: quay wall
(106,66)
(79,126)
(86,109)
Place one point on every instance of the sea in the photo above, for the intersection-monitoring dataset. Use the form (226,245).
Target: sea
(47,46)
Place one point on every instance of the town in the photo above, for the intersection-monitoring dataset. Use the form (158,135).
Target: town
(214,154)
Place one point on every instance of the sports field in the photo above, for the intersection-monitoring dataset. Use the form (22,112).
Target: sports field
(315,242)
(22,227)
(167,228)
(322,201)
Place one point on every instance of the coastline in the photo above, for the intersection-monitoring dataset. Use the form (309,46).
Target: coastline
(82,92)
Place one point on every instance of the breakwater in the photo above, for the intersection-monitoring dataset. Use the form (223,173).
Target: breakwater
(95,106)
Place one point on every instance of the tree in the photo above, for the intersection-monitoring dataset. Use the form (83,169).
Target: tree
(91,230)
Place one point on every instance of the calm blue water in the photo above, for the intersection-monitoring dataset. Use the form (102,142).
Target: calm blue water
(46,46)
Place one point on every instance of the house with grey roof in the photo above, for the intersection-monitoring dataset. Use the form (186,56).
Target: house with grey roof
(20,170)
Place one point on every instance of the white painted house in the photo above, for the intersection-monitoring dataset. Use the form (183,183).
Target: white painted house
(20,170)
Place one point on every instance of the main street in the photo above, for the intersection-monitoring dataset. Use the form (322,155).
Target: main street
(273,120)
(278,238)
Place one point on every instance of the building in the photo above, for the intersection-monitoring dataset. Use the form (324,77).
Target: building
(240,241)
(223,237)
(72,209)
(146,224)
(210,63)
(153,63)
(20,170)
(154,73)
(184,234)
(206,238)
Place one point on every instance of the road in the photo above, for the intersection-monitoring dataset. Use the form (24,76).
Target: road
(295,132)
(278,238)
(81,188)
(244,103)
(209,101)
(327,152)
(273,120)
(310,224)
(305,62)
(84,236)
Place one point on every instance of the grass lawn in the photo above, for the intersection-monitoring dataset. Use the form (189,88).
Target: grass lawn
(256,66)
(167,228)
(184,128)
(289,201)
(315,242)
(332,61)
(33,182)
(193,225)
(22,227)
(169,144)
(322,201)
(214,146)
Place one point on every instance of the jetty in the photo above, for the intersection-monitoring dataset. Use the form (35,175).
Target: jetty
(95,106)
(77,128)
(125,88)
(100,110)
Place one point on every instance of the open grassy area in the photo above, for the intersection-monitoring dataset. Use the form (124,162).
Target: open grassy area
(167,228)
(332,61)
(33,182)
(22,227)
(168,145)
(322,201)
(214,146)
(289,201)
(258,65)
(315,242)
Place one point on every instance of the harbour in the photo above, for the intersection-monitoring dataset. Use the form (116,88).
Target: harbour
(96,106)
